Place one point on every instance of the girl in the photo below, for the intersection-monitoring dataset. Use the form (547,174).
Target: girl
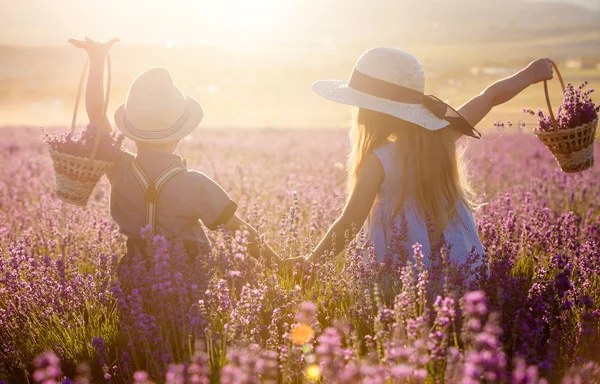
(404,168)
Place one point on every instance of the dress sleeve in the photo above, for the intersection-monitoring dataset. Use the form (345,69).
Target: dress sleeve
(214,206)
(385,154)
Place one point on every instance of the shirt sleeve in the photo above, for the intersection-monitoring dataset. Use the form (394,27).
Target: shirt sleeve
(214,205)
(122,162)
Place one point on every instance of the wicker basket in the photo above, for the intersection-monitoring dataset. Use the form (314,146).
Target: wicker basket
(572,148)
(75,176)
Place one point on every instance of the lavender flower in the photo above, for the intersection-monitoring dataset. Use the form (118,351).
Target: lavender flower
(47,368)
(577,109)
(65,285)
(108,146)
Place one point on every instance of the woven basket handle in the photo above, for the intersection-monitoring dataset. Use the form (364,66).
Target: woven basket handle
(562,84)
(78,97)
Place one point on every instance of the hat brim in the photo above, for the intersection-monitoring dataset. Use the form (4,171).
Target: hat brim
(338,91)
(194,119)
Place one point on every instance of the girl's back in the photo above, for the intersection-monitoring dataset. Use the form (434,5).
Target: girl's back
(382,222)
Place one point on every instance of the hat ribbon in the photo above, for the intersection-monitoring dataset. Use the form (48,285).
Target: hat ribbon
(394,92)
(154,135)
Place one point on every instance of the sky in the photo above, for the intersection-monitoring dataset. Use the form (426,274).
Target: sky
(187,22)
(182,22)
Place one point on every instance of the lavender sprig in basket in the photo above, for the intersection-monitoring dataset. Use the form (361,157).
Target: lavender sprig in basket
(570,134)
(80,161)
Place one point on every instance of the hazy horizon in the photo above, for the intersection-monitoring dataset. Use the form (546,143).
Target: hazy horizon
(222,23)
(251,63)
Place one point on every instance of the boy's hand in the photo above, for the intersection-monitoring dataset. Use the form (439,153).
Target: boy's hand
(95,49)
(539,70)
(288,266)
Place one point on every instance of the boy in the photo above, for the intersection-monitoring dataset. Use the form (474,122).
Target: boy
(155,188)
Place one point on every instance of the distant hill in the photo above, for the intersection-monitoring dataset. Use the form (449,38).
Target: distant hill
(456,21)
(317,22)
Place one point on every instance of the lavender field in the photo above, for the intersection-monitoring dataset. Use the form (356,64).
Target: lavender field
(64,316)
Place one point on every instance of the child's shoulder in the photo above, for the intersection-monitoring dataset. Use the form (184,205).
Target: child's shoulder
(201,178)
(208,187)
(124,159)
(127,156)
(386,150)
(197,175)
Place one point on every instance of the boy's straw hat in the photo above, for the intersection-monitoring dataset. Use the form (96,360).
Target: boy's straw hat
(392,81)
(156,110)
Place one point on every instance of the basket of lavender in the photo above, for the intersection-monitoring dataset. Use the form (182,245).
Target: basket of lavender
(569,134)
(80,160)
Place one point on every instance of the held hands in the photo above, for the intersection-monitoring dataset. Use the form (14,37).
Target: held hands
(96,50)
(539,70)
(287,266)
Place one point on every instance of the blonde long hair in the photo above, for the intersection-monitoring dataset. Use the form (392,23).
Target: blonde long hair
(432,169)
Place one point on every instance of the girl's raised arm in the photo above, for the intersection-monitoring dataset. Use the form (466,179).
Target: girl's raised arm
(503,90)
(94,94)
(370,177)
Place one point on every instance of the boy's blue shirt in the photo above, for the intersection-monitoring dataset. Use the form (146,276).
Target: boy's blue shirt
(184,200)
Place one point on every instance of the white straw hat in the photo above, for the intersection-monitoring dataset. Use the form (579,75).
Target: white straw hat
(156,110)
(392,81)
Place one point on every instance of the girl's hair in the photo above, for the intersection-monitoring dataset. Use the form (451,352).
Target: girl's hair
(431,167)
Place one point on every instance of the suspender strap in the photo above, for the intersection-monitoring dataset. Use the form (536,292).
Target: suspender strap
(152,189)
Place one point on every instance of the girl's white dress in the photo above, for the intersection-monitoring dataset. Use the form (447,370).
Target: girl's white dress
(461,232)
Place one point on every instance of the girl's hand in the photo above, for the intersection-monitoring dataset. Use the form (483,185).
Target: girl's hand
(539,70)
(287,266)
(94,49)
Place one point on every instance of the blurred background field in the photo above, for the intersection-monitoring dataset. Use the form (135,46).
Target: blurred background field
(251,64)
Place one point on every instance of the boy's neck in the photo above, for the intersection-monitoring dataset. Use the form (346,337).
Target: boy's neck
(167,148)
(161,157)
(156,150)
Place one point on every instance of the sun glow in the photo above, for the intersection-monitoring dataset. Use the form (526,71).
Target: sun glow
(246,21)
(251,13)
(167,23)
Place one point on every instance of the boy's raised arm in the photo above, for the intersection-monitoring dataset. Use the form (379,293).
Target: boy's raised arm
(94,95)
